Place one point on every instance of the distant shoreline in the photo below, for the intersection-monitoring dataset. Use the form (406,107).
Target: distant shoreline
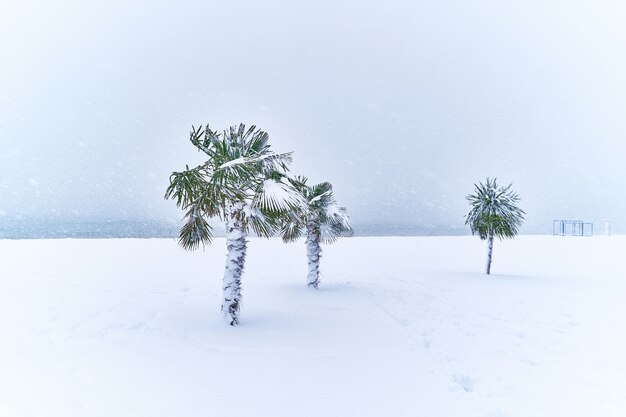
(152,229)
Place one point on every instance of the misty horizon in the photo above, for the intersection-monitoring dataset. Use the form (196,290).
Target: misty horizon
(401,105)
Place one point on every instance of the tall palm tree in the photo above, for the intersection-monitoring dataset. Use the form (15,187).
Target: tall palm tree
(321,218)
(244,184)
(494,212)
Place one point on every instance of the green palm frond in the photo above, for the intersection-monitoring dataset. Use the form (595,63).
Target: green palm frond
(203,138)
(185,186)
(195,231)
(494,210)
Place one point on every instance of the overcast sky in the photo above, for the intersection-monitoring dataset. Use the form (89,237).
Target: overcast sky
(402,105)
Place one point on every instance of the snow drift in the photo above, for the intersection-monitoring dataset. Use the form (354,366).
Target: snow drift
(400,326)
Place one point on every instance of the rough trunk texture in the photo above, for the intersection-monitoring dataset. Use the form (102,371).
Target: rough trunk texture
(236,244)
(314,252)
(489,253)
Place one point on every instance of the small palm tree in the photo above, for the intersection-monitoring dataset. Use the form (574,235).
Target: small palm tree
(494,212)
(321,218)
(243,184)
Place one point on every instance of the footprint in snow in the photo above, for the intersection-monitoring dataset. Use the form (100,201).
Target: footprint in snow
(530,362)
(464,382)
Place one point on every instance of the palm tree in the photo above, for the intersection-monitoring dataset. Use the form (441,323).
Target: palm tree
(321,219)
(243,184)
(494,212)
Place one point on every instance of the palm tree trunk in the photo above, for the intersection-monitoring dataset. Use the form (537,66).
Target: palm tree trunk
(236,244)
(314,252)
(489,252)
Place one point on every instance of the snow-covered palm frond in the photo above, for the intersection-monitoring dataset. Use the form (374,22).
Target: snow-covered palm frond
(335,224)
(321,214)
(268,162)
(319,196)
(263,226)
(323,204)
(277,196)
(233,162)
(293,225)
(278,162)
(338,215)
(494,210)
(233,170)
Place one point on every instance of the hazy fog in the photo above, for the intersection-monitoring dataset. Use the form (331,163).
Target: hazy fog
(402,105)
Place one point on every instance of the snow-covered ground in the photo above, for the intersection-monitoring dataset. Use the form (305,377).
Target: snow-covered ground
(400,327)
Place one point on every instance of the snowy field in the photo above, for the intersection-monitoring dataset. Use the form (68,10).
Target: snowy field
(400,327)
